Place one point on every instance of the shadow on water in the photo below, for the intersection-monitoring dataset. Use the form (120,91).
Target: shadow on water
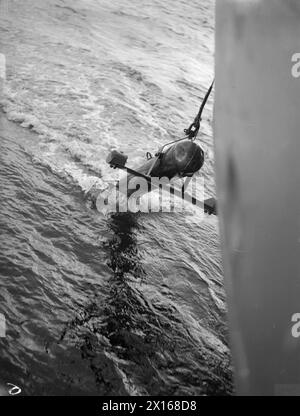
(122,331)
(135,345)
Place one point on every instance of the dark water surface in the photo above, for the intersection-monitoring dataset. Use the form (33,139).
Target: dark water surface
(101,306)
(126,304)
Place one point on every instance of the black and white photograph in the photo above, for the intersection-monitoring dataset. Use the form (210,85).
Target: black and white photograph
(149,211)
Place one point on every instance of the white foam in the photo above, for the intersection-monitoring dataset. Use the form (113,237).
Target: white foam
(2,66)
(85,91)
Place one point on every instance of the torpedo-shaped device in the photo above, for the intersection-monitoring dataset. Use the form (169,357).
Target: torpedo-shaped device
(182,159)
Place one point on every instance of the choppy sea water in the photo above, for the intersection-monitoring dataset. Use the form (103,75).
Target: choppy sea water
(126,304)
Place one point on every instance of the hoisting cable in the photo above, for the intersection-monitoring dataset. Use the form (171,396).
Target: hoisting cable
(193,130)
